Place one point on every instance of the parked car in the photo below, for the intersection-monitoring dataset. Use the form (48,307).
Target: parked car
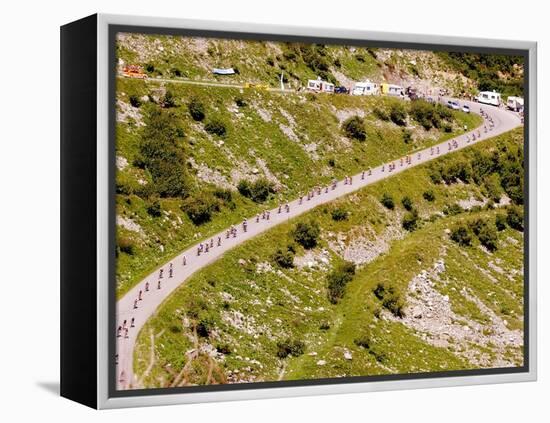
(466,108)
(341,90)
(453,105)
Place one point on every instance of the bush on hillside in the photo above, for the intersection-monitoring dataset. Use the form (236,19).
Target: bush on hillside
(337,281)
(407,136)
(339,213)
(215,127)
(410,220)
(258,191)
(290,347)
(391,298)
(196,109)
(168,100)
(161,153)
(428,195)
(398,114)
(407,203)
(154,209)
(387,201)
(125,245)
(514,217)
(200,207)
(461,235)
(284,258)
(306,234)
(135,101)
(500,221)
(354,127)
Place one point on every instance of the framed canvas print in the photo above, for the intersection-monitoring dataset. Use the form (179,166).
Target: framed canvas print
(254,211)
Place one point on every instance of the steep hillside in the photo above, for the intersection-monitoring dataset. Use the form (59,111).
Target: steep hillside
(300,302)
(183,150)
(263,62)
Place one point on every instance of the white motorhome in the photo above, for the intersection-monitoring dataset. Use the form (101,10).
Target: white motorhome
(392,89)
(319,85)
(365,88)
(515,103)
(488,97)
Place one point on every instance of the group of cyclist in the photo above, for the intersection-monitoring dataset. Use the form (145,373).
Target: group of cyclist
(123,329)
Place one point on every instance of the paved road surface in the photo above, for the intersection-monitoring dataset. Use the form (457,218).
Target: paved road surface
(503,122)
(208,84)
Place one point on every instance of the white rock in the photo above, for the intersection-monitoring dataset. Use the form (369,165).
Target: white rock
(321,362)
(347,355)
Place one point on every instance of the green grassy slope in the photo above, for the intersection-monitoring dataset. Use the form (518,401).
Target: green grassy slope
(294,140)
(227,322)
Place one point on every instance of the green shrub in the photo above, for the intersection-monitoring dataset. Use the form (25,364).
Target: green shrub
(363,342)
(430,115)
(154,209)
(215,127)
(331,162)
(398,114)
(161,154)
(196,109)
(226,195)
(339,213)
(200,207)
(306,234)
(381,113)
(391,298)
(354,127)
(205,325)
(337,281)
(387,201)
(284,259)
(135,101)
(514,217)
(461,235)
(407,136)
(168,100)
(452,209)
(407,203)
(258,191)
(428,195)
(125,245)
(240,102)
(410,220)
(324,326)
(493,190)
(488,237)
(500,221)
(290,347)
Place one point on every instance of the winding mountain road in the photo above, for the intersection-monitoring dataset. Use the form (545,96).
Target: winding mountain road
(175,272)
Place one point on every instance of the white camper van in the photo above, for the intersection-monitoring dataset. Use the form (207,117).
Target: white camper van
(365,88)
(515,103)
(488,97)
(320,86)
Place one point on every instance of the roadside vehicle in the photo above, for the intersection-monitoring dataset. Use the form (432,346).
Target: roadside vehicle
(451,104)
(341,90)
(488,97)
(515,103)
(320,86)
(365,88)
(392,90)
(134,71)
(466,108)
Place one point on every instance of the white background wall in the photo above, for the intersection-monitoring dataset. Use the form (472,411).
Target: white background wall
(29,208)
